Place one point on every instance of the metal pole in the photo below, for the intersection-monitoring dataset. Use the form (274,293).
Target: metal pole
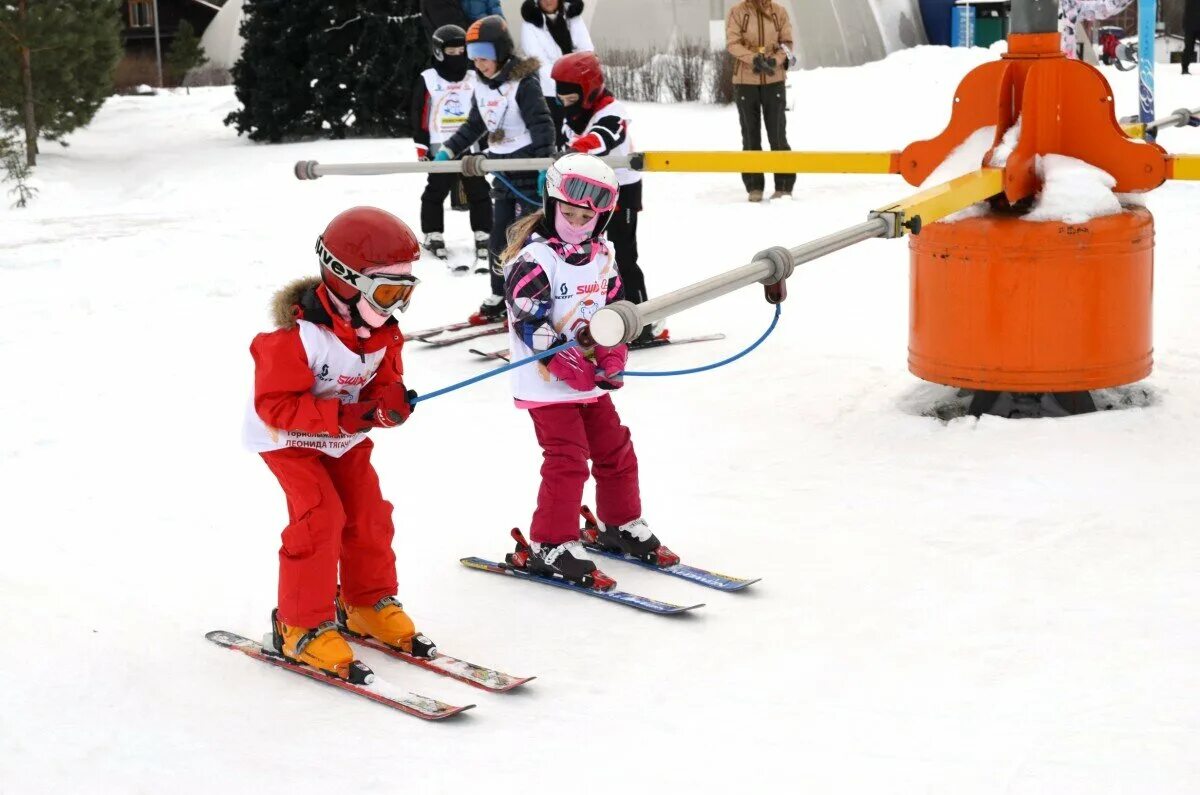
(311,169)
(157,45)
(1034,16)
(1147,19)
(623,321)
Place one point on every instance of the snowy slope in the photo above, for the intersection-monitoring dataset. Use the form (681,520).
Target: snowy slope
(967,607)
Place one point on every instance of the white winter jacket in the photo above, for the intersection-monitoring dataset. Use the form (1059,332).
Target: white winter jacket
(538,43)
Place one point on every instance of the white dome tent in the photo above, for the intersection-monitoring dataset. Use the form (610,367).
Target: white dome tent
(829,32)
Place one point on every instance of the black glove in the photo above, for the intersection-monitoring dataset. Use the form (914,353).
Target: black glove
(763,65)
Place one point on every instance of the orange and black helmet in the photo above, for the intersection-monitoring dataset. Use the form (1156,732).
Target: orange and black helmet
(489,38)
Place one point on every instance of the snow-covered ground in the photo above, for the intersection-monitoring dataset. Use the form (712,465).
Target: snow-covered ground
(978,606)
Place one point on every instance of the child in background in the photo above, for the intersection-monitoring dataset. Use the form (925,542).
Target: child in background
(509,109)
(595,123)
(441,102)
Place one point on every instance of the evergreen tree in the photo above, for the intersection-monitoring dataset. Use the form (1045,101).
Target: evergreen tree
(57,59)
(328,67)
(391,52)
(185,53)
(271,76)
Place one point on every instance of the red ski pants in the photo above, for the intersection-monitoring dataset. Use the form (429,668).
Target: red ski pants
(336,515)
(570,434)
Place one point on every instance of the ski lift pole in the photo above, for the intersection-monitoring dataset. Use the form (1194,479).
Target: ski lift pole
(468,165)
(1147,24)
(679,162)
(1184,117)
(623,321)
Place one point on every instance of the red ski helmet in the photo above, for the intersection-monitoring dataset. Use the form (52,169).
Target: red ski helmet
(362,238)
(580,70)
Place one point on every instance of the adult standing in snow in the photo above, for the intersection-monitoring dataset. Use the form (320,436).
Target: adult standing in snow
(329,373)
(550,30)
(508,107)
(758,34)
(1072,12)
(1191,32)
(437,13)
(478,9)
(441,101)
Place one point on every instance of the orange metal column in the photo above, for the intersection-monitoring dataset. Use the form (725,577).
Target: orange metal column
(1007,305)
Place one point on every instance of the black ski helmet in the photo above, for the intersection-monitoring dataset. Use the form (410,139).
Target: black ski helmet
(492,30)
(447,36)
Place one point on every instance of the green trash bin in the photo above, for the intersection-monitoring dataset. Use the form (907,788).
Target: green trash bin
(991,20)
(989,30)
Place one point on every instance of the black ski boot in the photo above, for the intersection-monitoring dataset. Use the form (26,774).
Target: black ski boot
(632,538)
(566,561)
(435,244)
(492,310)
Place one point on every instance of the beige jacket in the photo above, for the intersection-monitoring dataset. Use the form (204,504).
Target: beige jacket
(753,27)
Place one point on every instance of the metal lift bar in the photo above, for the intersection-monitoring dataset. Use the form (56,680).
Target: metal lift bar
(934,204)
(774,162)
(689,162)
(1184,117)
(623,321)
(1183,167)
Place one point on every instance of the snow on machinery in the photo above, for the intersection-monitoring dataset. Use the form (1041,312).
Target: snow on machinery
(999,305)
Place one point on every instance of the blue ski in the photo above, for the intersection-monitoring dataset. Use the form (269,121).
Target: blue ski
(620,597)
(710,579)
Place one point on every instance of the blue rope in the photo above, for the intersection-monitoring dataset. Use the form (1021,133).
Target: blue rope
(514,190)
(551,351)
(722,363)
(497,371)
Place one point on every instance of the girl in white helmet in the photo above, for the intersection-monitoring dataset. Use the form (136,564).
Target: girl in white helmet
(558,271)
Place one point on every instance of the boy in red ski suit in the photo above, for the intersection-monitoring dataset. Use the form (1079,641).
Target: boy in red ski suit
(331,372)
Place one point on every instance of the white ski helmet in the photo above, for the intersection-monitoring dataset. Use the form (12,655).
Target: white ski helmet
(583,181)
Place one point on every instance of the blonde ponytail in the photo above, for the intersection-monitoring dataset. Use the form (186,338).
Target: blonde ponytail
(518,236)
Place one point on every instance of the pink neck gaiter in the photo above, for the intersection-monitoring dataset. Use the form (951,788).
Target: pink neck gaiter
(569,233)
(372,318)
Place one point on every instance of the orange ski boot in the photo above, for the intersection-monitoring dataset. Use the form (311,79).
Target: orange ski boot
(322,647)
(385,621)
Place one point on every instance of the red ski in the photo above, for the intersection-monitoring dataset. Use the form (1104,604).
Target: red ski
(376,690)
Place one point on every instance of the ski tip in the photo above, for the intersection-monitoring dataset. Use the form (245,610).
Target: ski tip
(736,587)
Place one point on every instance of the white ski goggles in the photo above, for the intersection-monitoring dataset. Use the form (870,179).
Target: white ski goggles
(386,293)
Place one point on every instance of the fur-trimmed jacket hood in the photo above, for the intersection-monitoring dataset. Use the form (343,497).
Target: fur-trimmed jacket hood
(307,299)
(514,70)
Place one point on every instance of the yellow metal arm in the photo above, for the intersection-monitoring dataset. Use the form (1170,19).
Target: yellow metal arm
(1183,167)
(773,162)
(934,204)
(1134,130)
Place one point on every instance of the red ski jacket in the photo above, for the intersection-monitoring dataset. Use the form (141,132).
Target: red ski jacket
(283,379)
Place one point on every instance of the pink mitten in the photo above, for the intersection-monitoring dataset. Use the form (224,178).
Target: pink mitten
(573,369)
(610,364)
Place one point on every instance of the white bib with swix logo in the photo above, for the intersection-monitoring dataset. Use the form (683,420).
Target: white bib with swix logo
(577,292)
(340,373)
(449,104)
(502,116)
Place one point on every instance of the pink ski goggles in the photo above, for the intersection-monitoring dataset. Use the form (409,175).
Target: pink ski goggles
(587,192)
